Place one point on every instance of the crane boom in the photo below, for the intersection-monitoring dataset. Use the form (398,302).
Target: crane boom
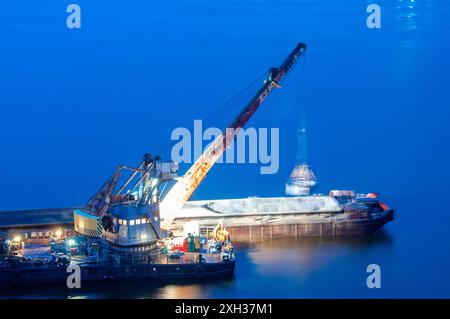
(188,183)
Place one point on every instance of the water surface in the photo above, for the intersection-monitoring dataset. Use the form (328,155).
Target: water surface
(75,103)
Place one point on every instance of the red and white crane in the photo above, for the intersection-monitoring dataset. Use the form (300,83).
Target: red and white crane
(188,183)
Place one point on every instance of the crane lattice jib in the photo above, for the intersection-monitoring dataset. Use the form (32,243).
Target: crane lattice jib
(195,175)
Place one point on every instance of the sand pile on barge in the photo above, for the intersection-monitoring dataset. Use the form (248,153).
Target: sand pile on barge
(260,205)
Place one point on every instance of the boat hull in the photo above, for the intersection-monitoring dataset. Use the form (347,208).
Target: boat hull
(297,227)
(92,273)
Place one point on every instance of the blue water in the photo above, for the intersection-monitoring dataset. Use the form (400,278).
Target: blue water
(75,103)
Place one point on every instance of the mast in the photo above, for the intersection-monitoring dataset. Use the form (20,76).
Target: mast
(187,184)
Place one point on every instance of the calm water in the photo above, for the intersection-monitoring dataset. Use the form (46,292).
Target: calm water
(75,103)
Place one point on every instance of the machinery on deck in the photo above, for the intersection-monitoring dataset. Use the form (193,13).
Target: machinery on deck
(128,215)
(219,233)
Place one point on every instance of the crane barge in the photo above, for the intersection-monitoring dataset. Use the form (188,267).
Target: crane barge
(125,223)
(121,225)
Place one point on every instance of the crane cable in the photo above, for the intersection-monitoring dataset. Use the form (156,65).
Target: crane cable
(233,101)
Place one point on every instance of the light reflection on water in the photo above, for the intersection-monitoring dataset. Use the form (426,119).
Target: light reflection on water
(412,15)
(306,256)
(289,262)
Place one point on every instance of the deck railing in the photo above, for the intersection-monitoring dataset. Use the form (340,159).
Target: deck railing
(185,258)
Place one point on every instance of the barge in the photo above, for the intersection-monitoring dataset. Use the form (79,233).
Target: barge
(258,218)
(246,219)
